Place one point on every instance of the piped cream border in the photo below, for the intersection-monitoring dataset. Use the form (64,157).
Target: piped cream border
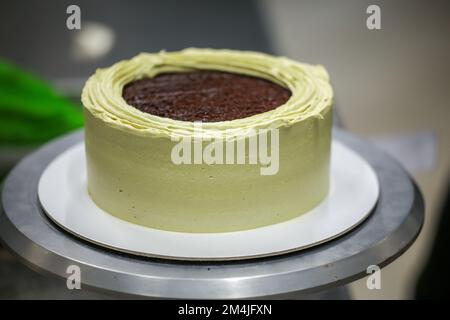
(311,91)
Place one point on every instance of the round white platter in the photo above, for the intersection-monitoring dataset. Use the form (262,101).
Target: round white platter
(353,194)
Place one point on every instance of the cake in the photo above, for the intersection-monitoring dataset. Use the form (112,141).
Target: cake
(204,140)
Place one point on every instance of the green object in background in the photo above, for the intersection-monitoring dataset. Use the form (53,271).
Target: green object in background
(31,112)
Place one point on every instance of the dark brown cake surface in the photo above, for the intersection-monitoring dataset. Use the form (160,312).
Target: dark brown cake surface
(208,96)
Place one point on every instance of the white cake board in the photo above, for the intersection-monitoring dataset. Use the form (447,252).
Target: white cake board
(353,194)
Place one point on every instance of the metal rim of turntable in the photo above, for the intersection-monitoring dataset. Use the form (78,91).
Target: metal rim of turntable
(389,231)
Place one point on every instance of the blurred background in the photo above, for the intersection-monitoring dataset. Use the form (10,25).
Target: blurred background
(391,85)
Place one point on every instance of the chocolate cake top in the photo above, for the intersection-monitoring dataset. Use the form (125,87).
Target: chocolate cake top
(208,96)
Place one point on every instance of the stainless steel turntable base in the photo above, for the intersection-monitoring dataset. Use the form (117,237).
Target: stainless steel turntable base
(386,234)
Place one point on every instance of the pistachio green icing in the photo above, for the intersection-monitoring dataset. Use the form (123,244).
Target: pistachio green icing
(311,91)
(131,174)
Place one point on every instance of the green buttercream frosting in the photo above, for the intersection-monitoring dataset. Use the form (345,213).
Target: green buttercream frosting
(131,173)
(311,91)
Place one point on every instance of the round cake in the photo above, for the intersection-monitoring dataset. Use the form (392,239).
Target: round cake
(206,140)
